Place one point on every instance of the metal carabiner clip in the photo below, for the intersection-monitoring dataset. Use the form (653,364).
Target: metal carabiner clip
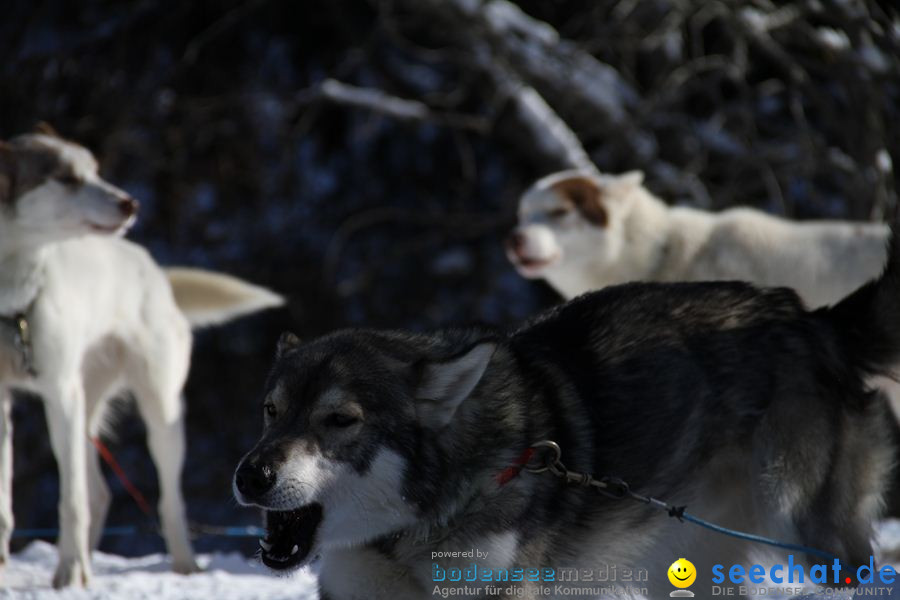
(613,487)
(551,462)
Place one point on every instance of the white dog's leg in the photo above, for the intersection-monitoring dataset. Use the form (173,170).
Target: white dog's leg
(99,386)
(165,436)
(167,447)
(64,405)
(6,466)
(98,492)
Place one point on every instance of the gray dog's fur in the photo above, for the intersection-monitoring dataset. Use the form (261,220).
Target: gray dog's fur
(381,448)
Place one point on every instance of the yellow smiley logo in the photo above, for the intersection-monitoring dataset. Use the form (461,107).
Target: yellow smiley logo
(682,573)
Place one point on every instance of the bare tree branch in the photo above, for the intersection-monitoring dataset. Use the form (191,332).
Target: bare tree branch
(573,82)
(230,19)
(402,109)
(549,135)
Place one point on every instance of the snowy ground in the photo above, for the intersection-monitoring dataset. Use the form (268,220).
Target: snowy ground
(225,576)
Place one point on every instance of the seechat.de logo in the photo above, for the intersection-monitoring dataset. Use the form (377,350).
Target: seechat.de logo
(682,574)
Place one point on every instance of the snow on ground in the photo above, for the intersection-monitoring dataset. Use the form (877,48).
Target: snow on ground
(225,576)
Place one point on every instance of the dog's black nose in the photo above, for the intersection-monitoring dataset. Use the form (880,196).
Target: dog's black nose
(515,241)
(253,481)
(128,206)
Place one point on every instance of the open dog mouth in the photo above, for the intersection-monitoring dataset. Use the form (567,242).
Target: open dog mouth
(104,228)
(110,229)
(289,536)
(529,265)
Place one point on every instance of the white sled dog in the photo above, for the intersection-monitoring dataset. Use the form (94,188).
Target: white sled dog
(84,316)
(583,231)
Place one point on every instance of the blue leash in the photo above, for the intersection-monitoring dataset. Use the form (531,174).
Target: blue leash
(253,531)
(611,487)
(52,533)
(681,515)
(197,529)
(617,489)
(236,531)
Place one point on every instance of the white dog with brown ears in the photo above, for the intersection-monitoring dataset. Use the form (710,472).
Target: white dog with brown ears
(85,316)
(583,231)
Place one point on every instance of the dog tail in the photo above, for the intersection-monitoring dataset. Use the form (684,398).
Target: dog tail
(208,298)
(868,320)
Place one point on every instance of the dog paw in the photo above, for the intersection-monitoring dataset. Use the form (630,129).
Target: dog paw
(186,567)
(71,573)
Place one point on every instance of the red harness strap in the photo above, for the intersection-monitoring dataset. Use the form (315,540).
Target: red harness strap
(120,473)
(512,471)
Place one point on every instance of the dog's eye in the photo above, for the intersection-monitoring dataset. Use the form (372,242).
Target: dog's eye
(340,420)
(558,213)
(270,409)
(68,179)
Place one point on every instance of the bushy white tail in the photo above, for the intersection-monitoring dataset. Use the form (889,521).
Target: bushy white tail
(208,298)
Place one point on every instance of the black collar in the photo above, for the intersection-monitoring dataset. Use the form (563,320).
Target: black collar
(17,332)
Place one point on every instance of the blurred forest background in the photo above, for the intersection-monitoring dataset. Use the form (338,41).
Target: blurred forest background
(365,157)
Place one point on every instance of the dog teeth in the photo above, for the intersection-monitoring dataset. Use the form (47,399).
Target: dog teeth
(295,549)
(265,545)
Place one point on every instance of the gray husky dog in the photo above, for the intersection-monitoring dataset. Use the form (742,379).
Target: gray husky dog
(386,455)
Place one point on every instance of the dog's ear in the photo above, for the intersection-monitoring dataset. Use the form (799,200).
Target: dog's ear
(7,172)
(630,179)
(443,385)
(585,194)
(46,128)
(286,342)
